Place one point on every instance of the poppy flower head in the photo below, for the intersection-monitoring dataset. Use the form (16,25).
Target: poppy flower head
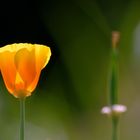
(21,65)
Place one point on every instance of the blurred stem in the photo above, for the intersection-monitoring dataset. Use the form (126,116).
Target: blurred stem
(22,118)
(114,92)
(115,122)
(114,78)
(114,83)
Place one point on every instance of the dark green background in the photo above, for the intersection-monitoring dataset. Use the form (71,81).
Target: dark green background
(74,85)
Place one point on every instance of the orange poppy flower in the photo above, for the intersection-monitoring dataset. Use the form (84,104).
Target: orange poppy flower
(21,65)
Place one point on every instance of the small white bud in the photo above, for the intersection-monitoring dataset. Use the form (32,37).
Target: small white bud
(106,110)
(114,110)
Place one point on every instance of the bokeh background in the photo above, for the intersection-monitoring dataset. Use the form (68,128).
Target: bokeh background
(74,85)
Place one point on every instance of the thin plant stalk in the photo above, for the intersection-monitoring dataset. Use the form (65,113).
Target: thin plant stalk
(115,125)
(114,78)
(22,118)
(114,110)
(114,84)
(114,93)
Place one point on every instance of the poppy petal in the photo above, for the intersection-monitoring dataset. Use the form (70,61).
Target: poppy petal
(8,69)
(42,54)
(33,85)
(25,65)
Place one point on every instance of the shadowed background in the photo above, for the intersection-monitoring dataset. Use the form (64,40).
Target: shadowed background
(74,85)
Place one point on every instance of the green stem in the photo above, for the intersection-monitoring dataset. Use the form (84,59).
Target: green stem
(115,122)
(22,118)
(114,78)
(114,92)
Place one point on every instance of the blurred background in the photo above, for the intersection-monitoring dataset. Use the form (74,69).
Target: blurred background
(74,85)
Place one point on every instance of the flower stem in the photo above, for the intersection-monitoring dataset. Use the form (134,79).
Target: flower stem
(114,78)
(114,92)
(22,118)
(115,135)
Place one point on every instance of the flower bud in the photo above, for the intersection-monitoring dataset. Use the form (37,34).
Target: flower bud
(115,38)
